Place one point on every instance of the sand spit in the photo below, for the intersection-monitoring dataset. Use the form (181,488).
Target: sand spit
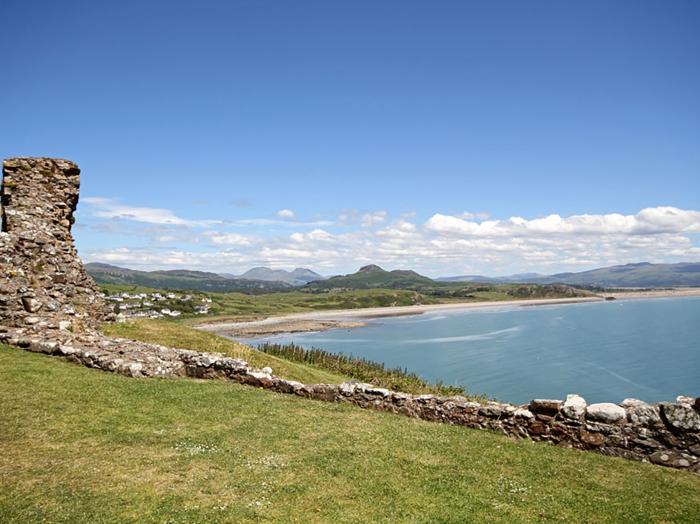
(352,318)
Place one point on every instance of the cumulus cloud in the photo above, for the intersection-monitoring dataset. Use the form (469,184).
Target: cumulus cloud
(648,221)
(285,213)
(442,245)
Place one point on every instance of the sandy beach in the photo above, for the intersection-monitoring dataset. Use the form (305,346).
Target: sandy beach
(352,318)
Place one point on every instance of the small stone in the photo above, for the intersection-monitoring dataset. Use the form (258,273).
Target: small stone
(574,407)
(31,304)
(606,412)
(65,325)
(592,439)
(377,391)
(631,402)
(134,369)
(669,458)
(545,406)
(267,370)
(524,414)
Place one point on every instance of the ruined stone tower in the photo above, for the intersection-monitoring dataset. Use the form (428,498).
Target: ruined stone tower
(43,284)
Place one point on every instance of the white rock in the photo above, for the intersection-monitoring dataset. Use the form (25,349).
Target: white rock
(524,413)
(68,350)
(606,412)
(267,370)
(377,391)
(686,401)
(135,369)
(574,407)
(347,388)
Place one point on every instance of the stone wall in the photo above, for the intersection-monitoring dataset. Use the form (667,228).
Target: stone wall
(48,304)
(42,280)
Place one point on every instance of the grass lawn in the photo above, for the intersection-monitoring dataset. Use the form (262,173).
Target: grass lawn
(79,445)
(173,334)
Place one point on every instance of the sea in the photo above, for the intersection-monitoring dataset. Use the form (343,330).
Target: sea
(647,349)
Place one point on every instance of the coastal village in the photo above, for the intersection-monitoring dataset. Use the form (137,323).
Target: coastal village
(157,305)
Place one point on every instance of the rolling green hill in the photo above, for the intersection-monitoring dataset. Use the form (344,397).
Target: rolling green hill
(642,274)
(180,279)
(372,276)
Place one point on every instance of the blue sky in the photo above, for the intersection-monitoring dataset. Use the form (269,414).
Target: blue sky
(450,137)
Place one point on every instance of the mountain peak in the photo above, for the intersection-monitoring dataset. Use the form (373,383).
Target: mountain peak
(369,268)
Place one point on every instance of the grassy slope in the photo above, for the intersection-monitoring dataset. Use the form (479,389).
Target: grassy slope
(172,334)
(239,305)
(78,445)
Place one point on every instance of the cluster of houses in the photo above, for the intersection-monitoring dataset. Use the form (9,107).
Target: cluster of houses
(158,305)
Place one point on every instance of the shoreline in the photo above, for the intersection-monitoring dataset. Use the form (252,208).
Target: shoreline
(314,321)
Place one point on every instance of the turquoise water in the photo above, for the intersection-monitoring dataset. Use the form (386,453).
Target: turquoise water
(605,351)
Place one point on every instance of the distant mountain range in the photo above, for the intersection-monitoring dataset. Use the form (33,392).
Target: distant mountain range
(298,277)
(180,279)
(373,276)
(642,274)
(262,279)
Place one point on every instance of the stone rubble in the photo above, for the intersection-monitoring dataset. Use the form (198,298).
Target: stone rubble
(49,305)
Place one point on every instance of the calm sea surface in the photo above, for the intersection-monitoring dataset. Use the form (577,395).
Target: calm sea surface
(605,351)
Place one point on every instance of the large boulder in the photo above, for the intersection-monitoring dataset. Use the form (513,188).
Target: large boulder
(606,412)
(681,417)
(639,413)
(574,407)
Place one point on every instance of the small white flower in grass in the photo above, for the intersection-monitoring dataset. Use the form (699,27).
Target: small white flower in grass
(194,448)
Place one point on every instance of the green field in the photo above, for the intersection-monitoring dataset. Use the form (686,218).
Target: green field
(242,306)
(79,445)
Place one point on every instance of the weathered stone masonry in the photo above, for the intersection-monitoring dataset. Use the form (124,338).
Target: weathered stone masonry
(43,281)
(49,305)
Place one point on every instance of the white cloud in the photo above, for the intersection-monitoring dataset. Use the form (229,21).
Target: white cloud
(285,213)
(442,245)
(315,235)
(648,221)
(482,215)
(229,239)
(275,222)
(110,208)
(374,218)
